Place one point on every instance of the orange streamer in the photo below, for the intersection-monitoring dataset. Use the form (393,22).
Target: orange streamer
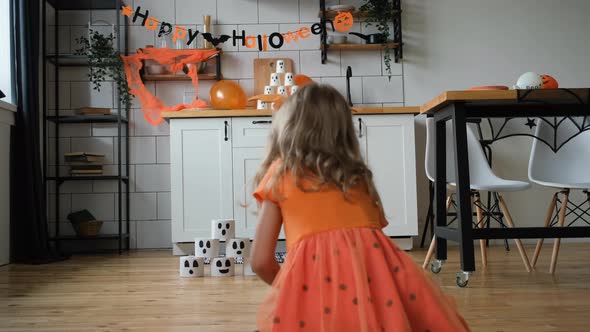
(151,105)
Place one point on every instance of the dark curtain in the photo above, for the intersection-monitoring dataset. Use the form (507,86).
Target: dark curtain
(29,230)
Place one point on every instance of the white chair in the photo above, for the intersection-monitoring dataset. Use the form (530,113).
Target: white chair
(566,170)
(481,177)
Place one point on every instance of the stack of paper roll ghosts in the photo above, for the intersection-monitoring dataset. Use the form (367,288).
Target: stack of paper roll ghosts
(287,87)
(222,231)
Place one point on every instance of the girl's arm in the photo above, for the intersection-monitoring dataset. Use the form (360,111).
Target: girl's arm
(262,257)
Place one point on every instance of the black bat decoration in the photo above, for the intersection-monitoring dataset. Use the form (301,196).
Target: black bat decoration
(215,41)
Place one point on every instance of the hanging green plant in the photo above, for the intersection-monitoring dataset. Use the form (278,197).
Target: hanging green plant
(380,13)
(105,62)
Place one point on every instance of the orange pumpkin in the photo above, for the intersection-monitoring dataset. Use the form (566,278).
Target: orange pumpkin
(343,21)
(549,82)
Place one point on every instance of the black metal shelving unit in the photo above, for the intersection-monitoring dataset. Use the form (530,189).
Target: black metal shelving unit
(120,119)
(396,45)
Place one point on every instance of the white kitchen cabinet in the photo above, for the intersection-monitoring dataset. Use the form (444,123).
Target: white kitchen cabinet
(390,154)
(212,177)
(201,175)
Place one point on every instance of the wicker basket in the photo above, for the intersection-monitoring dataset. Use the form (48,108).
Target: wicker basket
(87,228)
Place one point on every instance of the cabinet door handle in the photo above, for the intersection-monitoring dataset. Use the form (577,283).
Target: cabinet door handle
(226,127)
(360,127)
(261,121)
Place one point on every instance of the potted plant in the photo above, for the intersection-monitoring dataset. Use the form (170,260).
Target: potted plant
(105,61)
(380,13)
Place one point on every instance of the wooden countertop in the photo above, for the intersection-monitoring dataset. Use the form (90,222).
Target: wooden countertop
(505,97)
(213,113)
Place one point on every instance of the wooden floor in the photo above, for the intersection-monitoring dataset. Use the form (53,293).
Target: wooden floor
(141,291)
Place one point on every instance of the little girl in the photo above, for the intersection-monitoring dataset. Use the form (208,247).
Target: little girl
(342,273)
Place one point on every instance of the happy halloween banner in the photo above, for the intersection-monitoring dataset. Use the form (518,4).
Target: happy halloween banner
(275,40)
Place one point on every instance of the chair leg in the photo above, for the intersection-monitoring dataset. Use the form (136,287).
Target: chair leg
(432,246)
(558,240)
(525,259)
(548,218)
(429,222)
(481,224)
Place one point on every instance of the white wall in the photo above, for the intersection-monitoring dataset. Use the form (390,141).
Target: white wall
(6,121)
(149,147)
(456,44)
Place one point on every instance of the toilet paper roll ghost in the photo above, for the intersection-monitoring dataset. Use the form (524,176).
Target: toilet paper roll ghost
(247,268)
(282,90)
(222,267)
(280,66)
(237,247)
(268,89)
(261,105)
(274,79)
(294,89)
(192,267)
(223,229)
(206,247)
(289,79)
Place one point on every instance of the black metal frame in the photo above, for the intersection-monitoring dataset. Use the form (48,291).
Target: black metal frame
(398,51)
(121,120)
(458,113)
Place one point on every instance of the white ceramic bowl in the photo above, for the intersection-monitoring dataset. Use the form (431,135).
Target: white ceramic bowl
(155,69)
(337,39)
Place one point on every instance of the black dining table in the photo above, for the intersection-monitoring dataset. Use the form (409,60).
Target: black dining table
(461,107)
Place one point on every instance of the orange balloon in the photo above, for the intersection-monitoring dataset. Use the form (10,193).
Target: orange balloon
(301,80)
(549,82)
(227,95)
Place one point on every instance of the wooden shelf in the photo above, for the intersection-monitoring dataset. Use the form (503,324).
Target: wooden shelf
(172,77)
(330,14)
(360,47)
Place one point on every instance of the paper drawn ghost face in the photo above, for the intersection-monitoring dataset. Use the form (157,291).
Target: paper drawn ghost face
(222,267)
(280,66)
(223,229)
(237,247)
(267,90)
(289,77)
(206,247)
(282,90)
(274,79)
(191,266)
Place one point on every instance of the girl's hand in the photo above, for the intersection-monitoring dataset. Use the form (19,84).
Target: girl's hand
(262,257)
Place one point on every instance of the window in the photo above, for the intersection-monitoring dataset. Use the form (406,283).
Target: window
(6,83)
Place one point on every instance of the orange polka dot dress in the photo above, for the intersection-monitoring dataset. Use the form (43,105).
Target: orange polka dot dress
(342,273)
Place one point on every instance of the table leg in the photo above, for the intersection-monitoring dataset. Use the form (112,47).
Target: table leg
(440,183)
(464,214)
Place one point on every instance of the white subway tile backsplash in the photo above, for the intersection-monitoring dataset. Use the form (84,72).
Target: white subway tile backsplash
(73,17)
(204,88)
(63,41)
(308,11)
(84,95)
(142,150)
(191,11)
(237,65)
(380,89)
(97,145)
(161,10)
(237,12)
(154,233)
(106,129)
(140,37)
(64,95)
(75,187)
(150,86)
(140,127)
(74,74)
(143,206)
(356,90)
(65,206)
(293,55)
(272,11)
(362,63)
(105,17)
(311,64)
(74,130)
(64,146)
(293,41)
(255,30)
(163,149)
(164,202)
(152,178)
(172,93)
(105,187)
(102,206)
(247,86)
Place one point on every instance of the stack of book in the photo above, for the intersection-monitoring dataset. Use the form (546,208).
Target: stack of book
(93,111)
(84,163)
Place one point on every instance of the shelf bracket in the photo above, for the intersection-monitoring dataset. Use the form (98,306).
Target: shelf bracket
(324,37)
(398,52)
